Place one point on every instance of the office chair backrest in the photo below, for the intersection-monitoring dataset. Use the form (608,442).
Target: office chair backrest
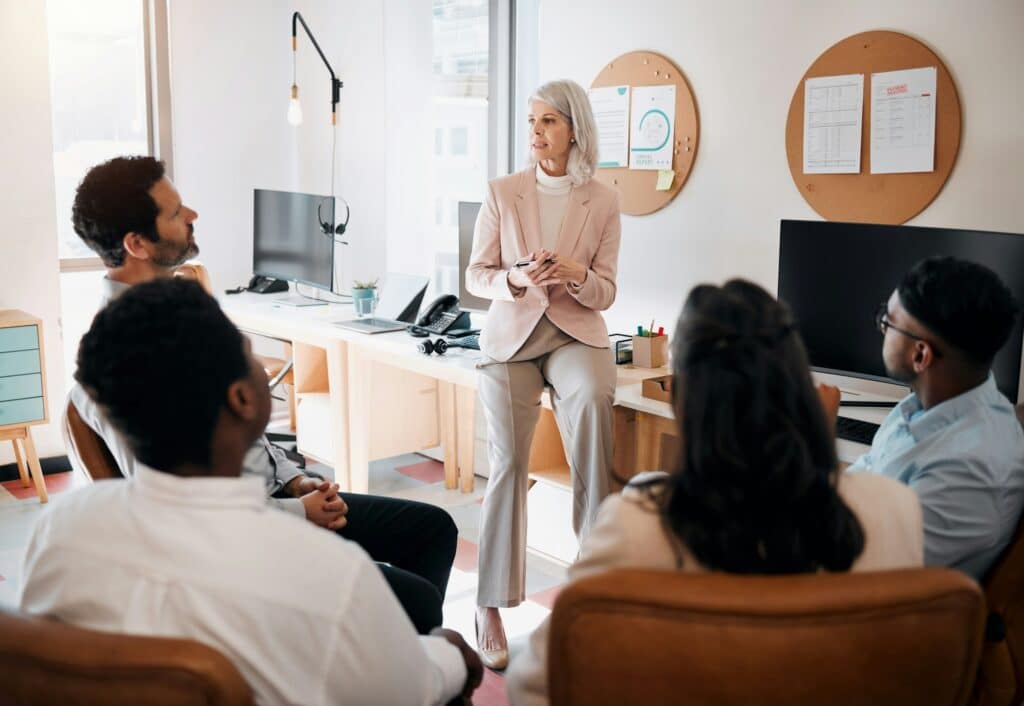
(46,662)
(909,637)
(1001,675)
(87,451)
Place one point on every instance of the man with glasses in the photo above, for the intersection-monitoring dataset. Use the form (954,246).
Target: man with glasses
(955,440)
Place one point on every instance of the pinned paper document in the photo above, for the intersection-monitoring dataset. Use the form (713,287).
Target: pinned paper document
(611,113)
(903,121)
(652,124)
(665,178)
(832,124)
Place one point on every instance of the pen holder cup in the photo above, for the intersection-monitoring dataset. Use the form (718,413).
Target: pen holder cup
(649,351)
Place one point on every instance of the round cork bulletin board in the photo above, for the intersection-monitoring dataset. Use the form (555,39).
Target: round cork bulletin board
(637,195)
(875,198)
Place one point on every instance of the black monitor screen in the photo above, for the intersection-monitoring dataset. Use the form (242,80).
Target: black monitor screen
(288,240)
(834,275)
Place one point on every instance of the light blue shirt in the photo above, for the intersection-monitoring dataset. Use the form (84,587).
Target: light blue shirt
(965,460)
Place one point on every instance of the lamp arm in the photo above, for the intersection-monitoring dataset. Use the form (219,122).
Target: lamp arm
(298,16)
(335,83)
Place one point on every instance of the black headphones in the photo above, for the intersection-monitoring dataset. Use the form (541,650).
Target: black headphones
(328,228)
(438,345)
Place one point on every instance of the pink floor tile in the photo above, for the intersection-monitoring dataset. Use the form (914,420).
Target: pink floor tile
(467,555)
(426,472)
(547,597)
(55,483)
(492,691)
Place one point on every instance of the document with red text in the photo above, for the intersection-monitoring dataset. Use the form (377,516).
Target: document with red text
(903,121)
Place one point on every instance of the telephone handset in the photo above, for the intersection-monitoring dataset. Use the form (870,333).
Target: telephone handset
(443,314)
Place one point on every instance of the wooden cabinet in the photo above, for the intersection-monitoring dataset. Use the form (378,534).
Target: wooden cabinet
(23,391)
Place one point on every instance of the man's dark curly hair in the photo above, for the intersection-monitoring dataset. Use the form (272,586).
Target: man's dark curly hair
(963,302)
(112,201)
(158,360)
(755,488)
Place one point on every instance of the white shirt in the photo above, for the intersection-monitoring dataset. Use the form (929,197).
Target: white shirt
(552,202)
(303,614)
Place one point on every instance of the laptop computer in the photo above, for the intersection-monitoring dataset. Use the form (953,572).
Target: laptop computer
(400,299)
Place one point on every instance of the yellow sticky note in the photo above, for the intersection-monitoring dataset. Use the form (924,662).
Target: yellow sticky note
(665,177)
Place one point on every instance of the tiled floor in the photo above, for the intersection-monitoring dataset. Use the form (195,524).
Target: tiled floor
(410,476)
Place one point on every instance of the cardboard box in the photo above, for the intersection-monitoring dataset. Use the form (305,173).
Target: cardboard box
(659,388)
(650,351)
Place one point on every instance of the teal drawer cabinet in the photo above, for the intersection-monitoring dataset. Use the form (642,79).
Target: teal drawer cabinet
(20,387)
(23,392)
(19,338)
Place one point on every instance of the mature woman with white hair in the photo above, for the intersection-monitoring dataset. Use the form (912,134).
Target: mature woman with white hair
(545,251)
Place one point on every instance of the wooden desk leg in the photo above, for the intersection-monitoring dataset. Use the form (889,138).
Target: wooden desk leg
(465,413)
(337,383)
(360,368)
(450,431)
(22,468)
(33,464)
(646,443)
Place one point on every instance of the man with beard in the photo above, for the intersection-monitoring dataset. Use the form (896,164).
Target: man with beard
(131,215)
(955,440)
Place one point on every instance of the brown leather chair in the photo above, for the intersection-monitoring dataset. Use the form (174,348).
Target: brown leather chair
(88,452)
(46,662)
(1001,675)
(652,637)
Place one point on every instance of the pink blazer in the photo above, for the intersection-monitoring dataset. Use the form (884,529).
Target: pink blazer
(508,230)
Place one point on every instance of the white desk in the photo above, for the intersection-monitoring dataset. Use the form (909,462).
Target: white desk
(386,398)
(402,415)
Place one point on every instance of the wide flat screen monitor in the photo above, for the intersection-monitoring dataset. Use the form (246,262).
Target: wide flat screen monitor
(834,275)
(468,211)
(289,241)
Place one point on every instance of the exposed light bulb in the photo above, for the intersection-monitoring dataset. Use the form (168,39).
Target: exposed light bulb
(294,108)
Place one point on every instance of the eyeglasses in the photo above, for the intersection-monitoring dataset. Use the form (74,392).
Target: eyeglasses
(883,324)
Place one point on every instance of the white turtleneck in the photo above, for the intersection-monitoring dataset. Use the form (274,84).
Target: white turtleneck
(552,202)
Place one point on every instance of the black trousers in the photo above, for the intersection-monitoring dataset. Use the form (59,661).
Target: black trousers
(413,543)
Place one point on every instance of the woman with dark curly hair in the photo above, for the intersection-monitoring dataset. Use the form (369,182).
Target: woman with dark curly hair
(757,488)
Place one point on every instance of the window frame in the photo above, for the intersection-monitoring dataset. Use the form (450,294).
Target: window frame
(159,136)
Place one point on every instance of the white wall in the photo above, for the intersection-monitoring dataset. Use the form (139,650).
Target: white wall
(743,61)
(29,264)
(231,71)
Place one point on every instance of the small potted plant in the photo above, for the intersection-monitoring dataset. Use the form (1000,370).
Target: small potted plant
(364,297)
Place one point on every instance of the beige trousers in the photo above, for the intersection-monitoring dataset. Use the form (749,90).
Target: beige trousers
(583,382)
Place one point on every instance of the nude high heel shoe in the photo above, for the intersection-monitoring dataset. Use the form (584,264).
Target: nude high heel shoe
(492,659)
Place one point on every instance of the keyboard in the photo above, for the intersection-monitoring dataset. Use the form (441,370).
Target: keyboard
(471,342)
(855,430)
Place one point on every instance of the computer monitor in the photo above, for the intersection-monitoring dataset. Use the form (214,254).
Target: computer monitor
(289,241)
(468,211)
(834,275)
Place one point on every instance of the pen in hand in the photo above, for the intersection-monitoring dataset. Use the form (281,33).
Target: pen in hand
(548,261)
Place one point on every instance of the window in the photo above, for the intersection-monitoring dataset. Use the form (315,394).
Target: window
(461,105)
(449,79)
(100,88)
(460,141)
(98,96)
